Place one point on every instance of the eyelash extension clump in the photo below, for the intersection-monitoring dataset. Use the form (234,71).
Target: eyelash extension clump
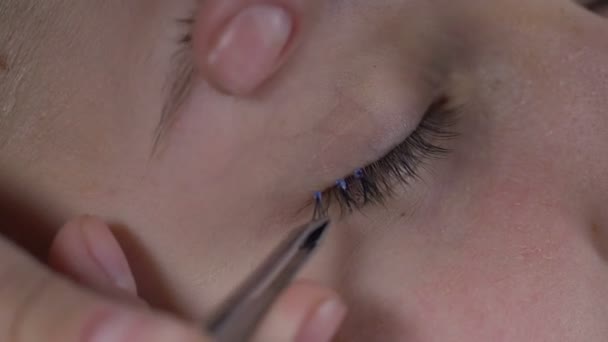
(320,211)
(374,183)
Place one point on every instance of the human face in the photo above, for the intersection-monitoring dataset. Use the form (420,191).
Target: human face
(501,238)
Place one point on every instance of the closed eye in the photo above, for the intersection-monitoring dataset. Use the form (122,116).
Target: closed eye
(376,182)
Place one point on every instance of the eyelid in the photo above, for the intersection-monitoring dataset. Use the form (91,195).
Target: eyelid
(374,183)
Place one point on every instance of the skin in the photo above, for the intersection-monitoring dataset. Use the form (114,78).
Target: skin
(505,239)
(86,276)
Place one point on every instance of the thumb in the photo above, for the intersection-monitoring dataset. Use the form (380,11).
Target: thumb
(37,305)
(240,44)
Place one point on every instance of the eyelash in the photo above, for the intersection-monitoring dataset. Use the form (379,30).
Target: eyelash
(186,38)
(374,183)
(596,6)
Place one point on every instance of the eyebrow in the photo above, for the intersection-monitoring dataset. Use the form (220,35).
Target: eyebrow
(178,87)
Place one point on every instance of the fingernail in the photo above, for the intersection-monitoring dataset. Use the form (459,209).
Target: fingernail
(246,52)
(126,327)
(108,254)
(324,323)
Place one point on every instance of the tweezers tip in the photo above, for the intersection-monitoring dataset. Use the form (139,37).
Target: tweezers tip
(315,236)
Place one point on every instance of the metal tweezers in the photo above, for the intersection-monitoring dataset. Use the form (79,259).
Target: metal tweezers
(238,317)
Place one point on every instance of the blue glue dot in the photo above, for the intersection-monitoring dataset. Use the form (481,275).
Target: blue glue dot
(342,184)
(318,196)
(359,173)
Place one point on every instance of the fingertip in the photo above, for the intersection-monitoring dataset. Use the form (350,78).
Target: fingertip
(86,250)
(323,322)
(68,254)
(239,45)
(105,249)
(124,325)
(305,312)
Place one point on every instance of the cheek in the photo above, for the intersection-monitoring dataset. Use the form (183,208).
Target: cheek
(544,287)
(507,251)
(512,259)
(461,273)
(510,220)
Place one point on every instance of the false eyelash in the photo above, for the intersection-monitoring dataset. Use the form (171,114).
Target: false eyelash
(320,211)
(374,183)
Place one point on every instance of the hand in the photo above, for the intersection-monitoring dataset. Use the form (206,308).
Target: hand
(240,44)
(99,304)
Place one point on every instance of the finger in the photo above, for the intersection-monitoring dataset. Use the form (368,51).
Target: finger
(240,44)
(304,313)
(37,305)
(86,251)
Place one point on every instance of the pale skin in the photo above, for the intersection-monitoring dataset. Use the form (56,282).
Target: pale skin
(503,239)
(85,289)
